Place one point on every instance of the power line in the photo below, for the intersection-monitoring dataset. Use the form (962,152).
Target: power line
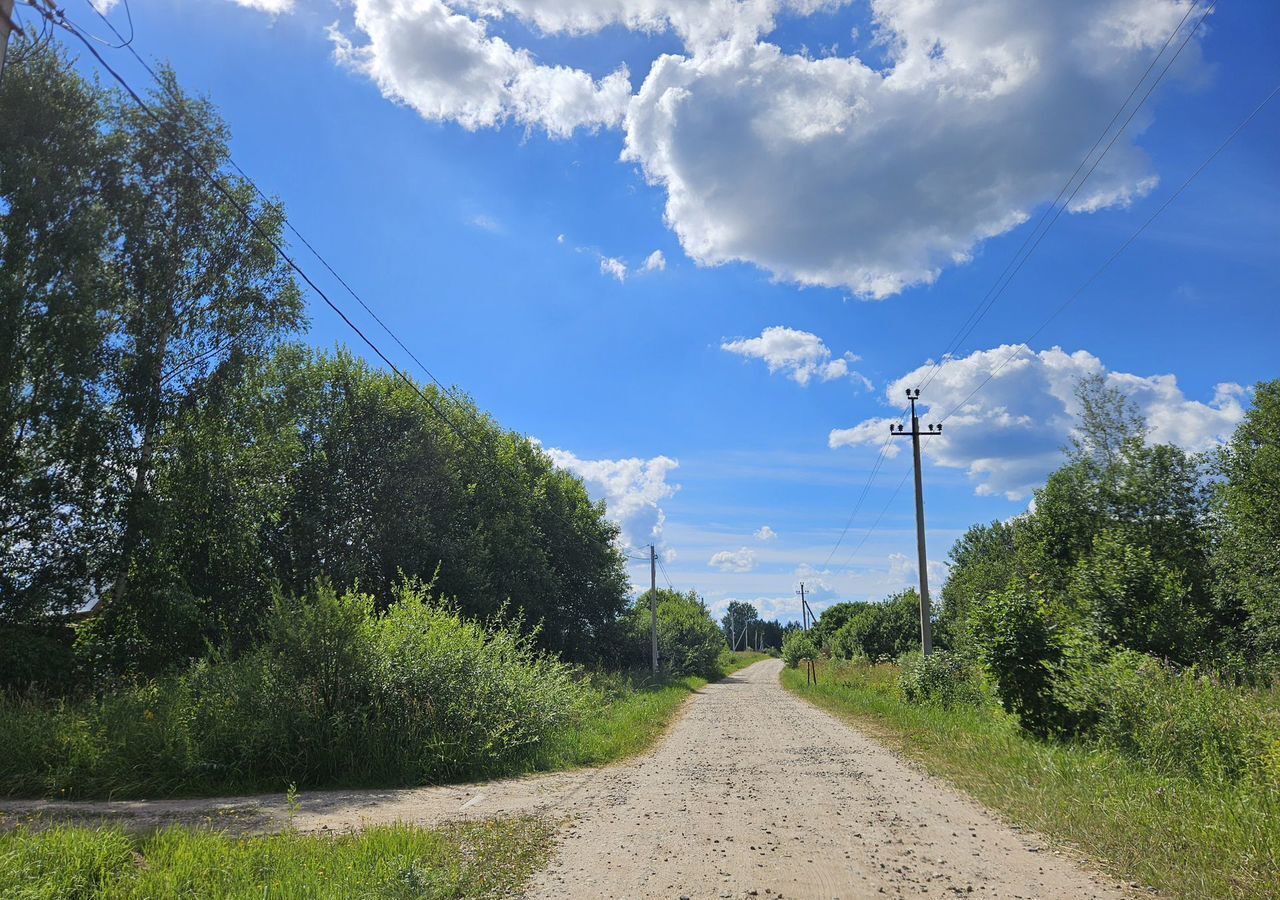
(666,577)
(1025,345)
(1002,282)
(58,17)
(1118,251)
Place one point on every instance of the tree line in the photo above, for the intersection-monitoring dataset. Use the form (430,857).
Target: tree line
(1135,558)
(173,454)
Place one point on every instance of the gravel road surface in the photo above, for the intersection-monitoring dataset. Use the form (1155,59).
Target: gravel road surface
(752,794)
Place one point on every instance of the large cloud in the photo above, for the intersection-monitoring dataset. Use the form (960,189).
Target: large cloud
(800,355)
(632,490)
(447,66)
(829,172)
(833,171)
(1010,434)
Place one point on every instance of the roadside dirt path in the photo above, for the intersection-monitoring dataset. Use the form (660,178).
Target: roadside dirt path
(753,793)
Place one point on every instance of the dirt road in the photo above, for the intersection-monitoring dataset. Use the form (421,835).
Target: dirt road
(753,793)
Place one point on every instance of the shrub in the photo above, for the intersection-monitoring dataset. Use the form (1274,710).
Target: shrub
(797,645)
(335,692)
(1018,643)
(689,642)
(1180,722)
(881,631)
(1136,601)
(943,678)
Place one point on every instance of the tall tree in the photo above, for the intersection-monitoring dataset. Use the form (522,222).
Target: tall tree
(200,284)
(1246,507)
(58,428)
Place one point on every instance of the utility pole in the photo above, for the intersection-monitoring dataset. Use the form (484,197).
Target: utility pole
(926,629)
(6,25)
(804,609)
(653,603)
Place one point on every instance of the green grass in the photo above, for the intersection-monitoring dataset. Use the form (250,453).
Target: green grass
(485,859)
(636,711)
(139,743)
(1185,838)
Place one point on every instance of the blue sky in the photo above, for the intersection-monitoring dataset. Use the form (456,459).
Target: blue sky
(832,187)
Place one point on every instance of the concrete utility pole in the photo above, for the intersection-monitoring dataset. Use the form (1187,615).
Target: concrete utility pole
(804,609)
(653,603)
(926,629)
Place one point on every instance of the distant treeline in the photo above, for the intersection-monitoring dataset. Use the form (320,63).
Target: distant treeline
(171,455)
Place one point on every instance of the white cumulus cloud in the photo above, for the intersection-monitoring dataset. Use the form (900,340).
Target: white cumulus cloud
(655,262)
(445,65)
(867,171)
(765,533)
(830,172)
(1009,436)
(801,356)
(632,490)
(740,560)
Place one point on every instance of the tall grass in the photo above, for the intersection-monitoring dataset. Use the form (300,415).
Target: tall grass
(337,696)
(1192,838)
(473,860)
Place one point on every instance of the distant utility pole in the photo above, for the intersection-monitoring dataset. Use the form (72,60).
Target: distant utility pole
(926,630)
(653,603)
(804,609)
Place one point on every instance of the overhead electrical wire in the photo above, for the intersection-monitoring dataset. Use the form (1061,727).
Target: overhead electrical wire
(58,18)
(1036,235)
(1033,238)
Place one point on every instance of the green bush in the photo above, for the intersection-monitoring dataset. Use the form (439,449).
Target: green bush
(1020,645)
(797,645)
(689,642)
(1179,722)
(881,631)
(1135,601)
(335,693)
(943,678)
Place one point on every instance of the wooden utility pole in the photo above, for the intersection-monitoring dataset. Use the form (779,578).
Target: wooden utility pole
(6,25)
(926,629)
(653,603)
(804,609)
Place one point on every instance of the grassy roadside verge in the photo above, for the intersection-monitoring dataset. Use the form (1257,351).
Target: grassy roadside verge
(637,711)
(141,746)
(1186,839)
(474,860)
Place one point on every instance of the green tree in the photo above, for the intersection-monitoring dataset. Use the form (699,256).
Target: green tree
(200,288)
(58,427)
(981,562)
(1129,599)
(881,631)
(689,643)
(740,617)
(1246,508)
(832,618)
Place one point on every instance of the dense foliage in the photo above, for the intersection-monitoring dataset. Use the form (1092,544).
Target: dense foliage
(1137,591)
(879,631)
(689,643)
(798,645)
(171,459)
(334,692)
